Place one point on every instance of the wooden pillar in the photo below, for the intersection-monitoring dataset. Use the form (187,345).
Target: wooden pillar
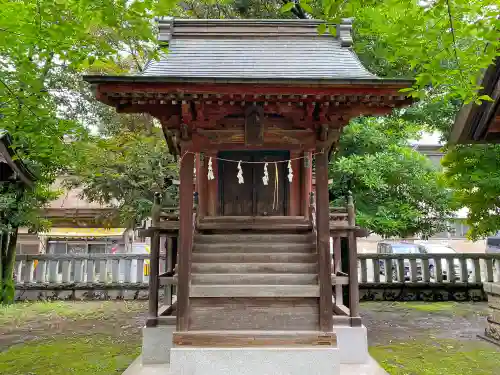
(154,264)
(201,183)
(212,185)
(323,243)
(306,182)
(186,238)
(294,206)
(353,265)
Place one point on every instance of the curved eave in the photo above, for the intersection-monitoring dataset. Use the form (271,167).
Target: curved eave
(473,121)
(377,82)
(6,151)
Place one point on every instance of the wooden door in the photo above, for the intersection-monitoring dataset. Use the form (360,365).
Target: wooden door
(253,198)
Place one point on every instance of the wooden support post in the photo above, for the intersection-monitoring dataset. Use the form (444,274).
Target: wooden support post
(201,183)
(353,266)
(154,264)
(306,178)
(323,243)
(212,185)
(294,201)
(186,238)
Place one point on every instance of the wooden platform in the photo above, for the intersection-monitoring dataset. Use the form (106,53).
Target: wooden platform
(245,339)
(258,223)
(245,313)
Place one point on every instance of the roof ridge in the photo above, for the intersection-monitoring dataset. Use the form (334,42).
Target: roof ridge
(170,27)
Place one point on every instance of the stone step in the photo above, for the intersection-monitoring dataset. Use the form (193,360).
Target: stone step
(251,247)
(254,268)
(259,226)
(242,339)
(254,258)
(246,313)
(258,291)
(254,238)
(255,279)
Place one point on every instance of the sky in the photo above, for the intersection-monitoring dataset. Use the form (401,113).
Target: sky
(428,139)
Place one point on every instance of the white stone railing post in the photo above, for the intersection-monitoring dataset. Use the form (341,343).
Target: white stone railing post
(66,271)
(53,274)
(429,268)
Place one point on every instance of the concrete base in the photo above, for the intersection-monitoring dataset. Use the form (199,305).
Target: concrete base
(251,361)
(156,344)
(352,343)
(369,368)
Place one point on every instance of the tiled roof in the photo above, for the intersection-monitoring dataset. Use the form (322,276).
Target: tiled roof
(256,49)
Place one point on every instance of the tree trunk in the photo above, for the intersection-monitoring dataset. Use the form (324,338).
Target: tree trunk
(7,262)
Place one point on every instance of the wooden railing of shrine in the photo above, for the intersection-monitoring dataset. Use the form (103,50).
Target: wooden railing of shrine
(343,232)
(162,225)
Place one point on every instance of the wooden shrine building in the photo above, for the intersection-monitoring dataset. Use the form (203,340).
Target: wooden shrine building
(250,105)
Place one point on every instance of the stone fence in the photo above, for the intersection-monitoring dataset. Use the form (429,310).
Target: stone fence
(428,277)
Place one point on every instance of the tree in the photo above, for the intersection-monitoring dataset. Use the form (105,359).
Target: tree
(125,171)
(472,171)
(398,192)
(40,42)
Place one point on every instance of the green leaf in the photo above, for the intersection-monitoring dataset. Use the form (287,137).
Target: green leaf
(486,98)
(287,7)
(306,7)
(322,28)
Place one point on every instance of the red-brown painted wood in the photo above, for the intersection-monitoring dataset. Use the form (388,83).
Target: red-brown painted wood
(186,239)
(306,182)
(323,243)
(201,179)
(294,206)
(248,90)
(212,185)
(203,144)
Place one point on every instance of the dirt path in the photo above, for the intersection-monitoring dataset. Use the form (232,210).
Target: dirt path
(388,323)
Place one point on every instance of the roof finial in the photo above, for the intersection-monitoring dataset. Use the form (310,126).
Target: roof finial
(344,32)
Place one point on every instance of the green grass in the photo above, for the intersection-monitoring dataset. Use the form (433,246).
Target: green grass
(436,357)
(25,312)
(94,355)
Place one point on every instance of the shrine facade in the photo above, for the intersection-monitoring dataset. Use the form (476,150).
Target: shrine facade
(250,106)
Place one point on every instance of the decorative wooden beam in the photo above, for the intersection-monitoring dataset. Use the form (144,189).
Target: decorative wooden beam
(254,127)
(187,112)
(253,90)
(202,143)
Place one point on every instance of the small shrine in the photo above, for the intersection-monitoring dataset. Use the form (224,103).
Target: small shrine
(249,107)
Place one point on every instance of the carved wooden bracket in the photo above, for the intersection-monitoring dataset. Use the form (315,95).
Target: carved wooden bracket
(254,126)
